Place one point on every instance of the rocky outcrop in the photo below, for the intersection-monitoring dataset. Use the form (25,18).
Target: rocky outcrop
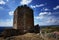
(11,32)
(36,29)
(15,32)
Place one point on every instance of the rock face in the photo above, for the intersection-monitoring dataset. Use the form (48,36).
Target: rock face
(11,32)
(23,18)
(36,29)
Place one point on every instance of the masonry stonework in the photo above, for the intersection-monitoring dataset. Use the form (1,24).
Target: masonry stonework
(23,18)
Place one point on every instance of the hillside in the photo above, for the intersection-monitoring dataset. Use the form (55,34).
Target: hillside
(27,36)
(31,36)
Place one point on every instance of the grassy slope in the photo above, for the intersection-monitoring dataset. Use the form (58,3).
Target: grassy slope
(27,36)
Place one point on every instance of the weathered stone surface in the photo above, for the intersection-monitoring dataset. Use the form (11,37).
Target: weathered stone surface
(23,18)
(11,32)
(36,29)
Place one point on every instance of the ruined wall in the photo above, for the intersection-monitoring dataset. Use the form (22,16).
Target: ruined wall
(23,18)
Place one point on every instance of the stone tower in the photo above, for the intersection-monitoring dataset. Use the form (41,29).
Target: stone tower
(23,18)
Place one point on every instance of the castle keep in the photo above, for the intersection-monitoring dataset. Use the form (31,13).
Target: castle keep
(23,22)
(23,18)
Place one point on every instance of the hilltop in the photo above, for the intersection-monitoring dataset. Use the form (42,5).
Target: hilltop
(27,36)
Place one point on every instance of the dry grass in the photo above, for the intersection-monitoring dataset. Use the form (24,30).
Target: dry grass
(27,36)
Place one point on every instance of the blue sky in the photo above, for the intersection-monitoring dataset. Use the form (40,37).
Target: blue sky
(46,12)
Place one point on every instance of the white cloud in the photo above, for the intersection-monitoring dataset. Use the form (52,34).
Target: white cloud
(53,21)
(57,7)
(11,13)
(38,17)
(47,18)
(7,22)
(44,13)
(46,9)
(37,6)
(7,0)
(23,2)
(2,2)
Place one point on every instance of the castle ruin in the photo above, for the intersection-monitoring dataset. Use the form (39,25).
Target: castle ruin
(23,18)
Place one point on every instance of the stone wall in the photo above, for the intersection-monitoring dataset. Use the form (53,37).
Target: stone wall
(23,18)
